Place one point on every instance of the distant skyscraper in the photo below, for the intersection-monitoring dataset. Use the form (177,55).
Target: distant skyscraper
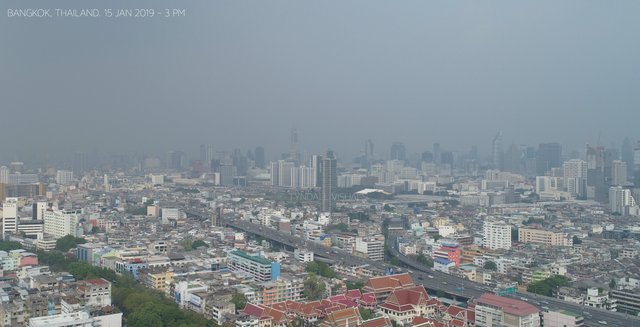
(618,173)
(294,153)
(427,156)
(316,165)
(596,185)
(80,163)
(497,154)
(513,159)
(275,174)
(227,172)
(636,164)
(206,155)
(64,177)
(329,181)
(368,153)
(175,160)
(627,155)
(621,201)
(398,151)
(436,153)
(446,158)
(4,175)
(473,154)
(575,177)
(260,159)
(240,162)
(549,155)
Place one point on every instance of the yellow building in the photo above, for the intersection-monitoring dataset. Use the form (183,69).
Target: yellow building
(157,280)
(540,236)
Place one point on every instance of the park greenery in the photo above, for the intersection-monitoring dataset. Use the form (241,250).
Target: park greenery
(547,286)
(199,243)
(314,289)
(68,242)
(320,269)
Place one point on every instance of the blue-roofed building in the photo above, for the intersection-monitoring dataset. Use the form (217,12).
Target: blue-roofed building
(440,264)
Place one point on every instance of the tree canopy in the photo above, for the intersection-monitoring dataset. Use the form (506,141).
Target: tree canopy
(68,242)
(490,265)
(546,286)
(321,269)
(314,289)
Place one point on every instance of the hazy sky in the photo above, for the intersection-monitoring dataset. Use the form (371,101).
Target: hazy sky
(242,73)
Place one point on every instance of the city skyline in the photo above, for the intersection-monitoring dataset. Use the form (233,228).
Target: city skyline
(431,71)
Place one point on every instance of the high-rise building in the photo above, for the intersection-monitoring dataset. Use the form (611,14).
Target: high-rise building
(227,172)
(618,173)
(329,181)
(621,201)
(368,150)
(575,177)
(175,160)
(316,165)
(436,153)
(398,151)
(285,173)
(64,177)
(627,155)
(259,157)
(80,160)
(294,153)
(497,155)
(496,235)
(275,176)
(596,185)
(206,155)
(4,175)
(59,223)
(549,155)
(513,159)
(9,216)
(636,164)
(39,209)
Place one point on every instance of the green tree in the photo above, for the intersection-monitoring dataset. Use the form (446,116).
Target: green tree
(546,286)
(342,227)
(388,208)
(239,300)
(321,269)
(612,284)
(490,265)
(10,245)
(187,243)
(424,260)
(68,242)
(198,243)
(314,289)
(576,240)
(358,285)
(366,314)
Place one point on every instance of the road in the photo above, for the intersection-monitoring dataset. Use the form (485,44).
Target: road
(435,280)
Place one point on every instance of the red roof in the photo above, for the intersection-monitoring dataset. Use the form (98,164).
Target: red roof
(97,281)
(389,282)
(510,306)
(377,322)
